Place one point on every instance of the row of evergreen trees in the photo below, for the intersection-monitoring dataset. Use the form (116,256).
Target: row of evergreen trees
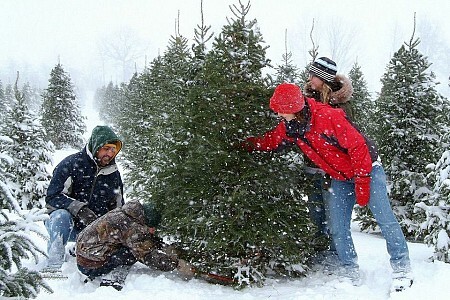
(236,212)
(31,125)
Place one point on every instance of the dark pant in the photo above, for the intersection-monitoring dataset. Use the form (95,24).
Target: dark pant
(122,257)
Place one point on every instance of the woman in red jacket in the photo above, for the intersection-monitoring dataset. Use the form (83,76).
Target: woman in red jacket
(334,145)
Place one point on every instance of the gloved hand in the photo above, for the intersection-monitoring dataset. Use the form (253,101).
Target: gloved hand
(86,216)
(362,190)
(185,268)
(171,251)
(242,145)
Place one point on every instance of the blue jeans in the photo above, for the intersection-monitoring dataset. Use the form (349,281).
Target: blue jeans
(316,206)
(61,230)
(342,200)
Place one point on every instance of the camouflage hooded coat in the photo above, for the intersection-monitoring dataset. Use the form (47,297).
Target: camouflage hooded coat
(122,227)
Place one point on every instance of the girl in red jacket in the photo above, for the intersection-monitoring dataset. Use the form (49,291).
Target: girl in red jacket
(334,145)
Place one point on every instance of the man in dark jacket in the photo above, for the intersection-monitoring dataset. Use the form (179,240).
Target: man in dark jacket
(84,186)
(110,245)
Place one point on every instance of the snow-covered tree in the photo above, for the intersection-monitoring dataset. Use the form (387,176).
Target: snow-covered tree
(362,106)
(16,241)
(28,175)
(436,207)
(108,103)
(61,113)
(408,130)
(5,104)
(287,71)
(2,101)
(9,94)
(156,102)
(32,97)
(363,112)
(135,124)
(235,213)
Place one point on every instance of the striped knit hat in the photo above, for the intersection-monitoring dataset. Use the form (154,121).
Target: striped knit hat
(324,68)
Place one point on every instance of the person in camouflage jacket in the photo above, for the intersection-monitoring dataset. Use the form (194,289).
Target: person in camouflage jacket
(122,237)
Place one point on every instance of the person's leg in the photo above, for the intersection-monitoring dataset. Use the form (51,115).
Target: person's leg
(316,206)
(326,196)
(380,207)
(61,230)
(340,207)
(122,257)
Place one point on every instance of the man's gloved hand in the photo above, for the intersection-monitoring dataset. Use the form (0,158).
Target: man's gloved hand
(86,216)
(185,269)
(172,251)
(362,190)
(246,145)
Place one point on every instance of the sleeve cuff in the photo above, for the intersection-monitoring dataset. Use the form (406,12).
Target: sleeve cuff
(75,207)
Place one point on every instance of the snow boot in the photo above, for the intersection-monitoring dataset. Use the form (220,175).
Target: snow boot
(401,281)
(52,272)
(116,278)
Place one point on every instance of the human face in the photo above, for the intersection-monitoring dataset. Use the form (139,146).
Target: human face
(106,153)
(287,117)
(315,82)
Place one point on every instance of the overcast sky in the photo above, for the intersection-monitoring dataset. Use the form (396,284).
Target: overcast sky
(35,34)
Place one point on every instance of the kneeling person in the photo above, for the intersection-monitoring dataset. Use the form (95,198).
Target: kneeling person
(110,245)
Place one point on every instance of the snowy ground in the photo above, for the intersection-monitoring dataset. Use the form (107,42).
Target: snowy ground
(431,281)
(431,278)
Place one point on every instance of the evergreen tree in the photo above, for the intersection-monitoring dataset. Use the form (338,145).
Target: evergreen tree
(408,131)
(235,213)
(61,113)
(287,71)
(9,94)
(135,123)
(6,100)
(436,207)
(29,177)
(201,37)
(362,106)
(158,100)
(363,112)
(108,103)
(2,101)
(32,98)
(313,53)
(16,241)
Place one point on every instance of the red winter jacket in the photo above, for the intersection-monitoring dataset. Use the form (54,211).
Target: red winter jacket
(330,141)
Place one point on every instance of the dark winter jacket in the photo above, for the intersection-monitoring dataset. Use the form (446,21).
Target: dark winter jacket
(78,180)
(328,139)
(122,227)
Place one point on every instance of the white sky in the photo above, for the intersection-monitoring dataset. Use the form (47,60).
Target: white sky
(36,33)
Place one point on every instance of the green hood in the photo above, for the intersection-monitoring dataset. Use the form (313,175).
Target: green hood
(102,135)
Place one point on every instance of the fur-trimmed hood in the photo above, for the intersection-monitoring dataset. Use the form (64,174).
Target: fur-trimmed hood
(343,94)
(342,90)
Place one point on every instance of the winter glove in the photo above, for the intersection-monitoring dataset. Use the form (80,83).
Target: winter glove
(86,216)
(157,259)
(185,269)
(244,145)
(362,190)
(171,251)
